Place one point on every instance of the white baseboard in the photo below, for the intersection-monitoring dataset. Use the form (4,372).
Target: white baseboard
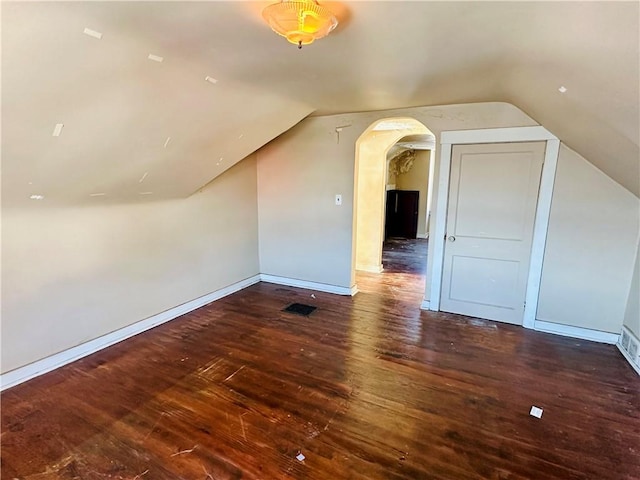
(576,332)
(370,268)
(425,305)
(40,367)
(319,287)
(422,235)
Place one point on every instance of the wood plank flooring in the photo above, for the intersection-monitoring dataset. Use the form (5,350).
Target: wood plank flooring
(368,387)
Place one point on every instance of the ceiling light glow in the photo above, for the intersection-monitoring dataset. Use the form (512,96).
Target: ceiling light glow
(300,21)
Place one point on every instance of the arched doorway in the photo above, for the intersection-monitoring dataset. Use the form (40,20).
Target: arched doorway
(370,185)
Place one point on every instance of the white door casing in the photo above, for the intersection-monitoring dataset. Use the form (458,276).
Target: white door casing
(490,217)
(494,135)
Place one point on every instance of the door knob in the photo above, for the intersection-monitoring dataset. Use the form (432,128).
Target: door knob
(452,238)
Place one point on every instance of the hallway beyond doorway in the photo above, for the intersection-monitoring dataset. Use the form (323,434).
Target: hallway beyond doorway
(404,274)
(402,255)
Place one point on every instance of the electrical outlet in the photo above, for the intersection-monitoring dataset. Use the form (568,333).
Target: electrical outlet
(338,199)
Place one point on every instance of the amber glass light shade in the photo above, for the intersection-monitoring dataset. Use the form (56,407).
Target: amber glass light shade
(300,21)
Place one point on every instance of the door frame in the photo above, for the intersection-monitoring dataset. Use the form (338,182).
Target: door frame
(543,208)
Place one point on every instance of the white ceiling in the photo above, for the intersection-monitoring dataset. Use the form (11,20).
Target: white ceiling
(118,107)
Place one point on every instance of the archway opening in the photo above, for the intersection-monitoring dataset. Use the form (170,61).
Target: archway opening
(370,183)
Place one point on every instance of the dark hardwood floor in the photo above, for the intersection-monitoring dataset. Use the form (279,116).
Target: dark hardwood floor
(368,387)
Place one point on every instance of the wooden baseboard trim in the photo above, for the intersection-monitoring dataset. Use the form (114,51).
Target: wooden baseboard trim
(319,287)
(576,332)
(40,367)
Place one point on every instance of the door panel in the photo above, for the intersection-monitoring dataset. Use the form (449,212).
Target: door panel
(495,182)
(408,213)
(492,203)
(401,217)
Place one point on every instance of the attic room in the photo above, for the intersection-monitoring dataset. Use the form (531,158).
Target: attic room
(179,183)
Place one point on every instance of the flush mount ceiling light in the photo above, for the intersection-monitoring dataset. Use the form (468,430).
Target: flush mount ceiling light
(300,21)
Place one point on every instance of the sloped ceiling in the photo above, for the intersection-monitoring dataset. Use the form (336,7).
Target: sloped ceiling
(139,129)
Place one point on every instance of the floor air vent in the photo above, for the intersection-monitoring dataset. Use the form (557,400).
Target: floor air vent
(300,309)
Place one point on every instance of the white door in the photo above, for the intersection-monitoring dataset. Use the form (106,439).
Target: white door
(492,205)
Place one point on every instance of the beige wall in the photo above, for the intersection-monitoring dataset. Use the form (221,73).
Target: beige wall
(369,203)
(303,235)
(70,275)
(592,238)
(591,248)
(417,179)
(632,310)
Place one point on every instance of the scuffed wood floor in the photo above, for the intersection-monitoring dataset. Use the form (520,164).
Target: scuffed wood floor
(368,387)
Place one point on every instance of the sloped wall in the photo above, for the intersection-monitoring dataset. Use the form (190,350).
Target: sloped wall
(591,247)
(70,275)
